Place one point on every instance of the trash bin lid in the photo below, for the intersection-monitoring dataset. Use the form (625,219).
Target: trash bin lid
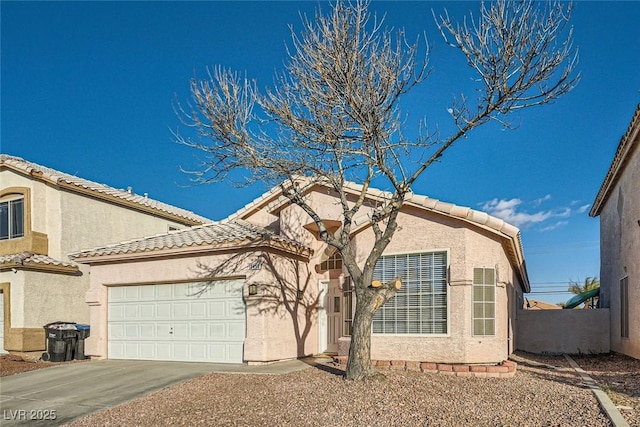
(82,327)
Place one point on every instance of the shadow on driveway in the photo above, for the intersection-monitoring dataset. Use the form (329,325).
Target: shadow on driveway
(60,394)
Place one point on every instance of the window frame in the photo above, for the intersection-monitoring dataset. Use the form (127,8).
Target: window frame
(334,262)
(10,200)
(484,285)
(447,286)
(348,307)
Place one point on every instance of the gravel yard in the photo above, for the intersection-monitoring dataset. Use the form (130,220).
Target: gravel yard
(536,396)
(11,364)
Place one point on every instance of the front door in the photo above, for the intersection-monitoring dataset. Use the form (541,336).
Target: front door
(334,316)
(329,316)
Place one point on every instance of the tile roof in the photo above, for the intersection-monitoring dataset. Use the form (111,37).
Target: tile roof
(273,200)
(628,142)
(30,259)
(104,191)
(216,234)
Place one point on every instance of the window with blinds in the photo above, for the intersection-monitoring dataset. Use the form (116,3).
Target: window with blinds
(420,306)
(624,307)
(484,301)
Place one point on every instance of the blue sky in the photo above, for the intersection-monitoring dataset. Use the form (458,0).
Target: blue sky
(88,88)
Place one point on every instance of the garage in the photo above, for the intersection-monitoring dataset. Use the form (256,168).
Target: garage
(193,322)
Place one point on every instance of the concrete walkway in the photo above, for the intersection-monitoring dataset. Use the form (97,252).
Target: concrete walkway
(57,395)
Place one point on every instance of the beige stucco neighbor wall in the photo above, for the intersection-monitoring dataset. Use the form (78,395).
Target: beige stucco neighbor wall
(270,332)
(68,222)
(88,223)
(564,331)
(620,254)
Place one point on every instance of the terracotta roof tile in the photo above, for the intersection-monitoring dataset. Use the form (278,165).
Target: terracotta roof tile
(28,258)
(57,177)
(238,231)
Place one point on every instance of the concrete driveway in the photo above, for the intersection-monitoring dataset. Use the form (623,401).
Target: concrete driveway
(57,395)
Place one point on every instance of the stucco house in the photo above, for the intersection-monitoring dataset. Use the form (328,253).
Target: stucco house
(618,206)
(44,215)
(259,287)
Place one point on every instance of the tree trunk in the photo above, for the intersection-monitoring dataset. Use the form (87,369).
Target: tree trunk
(359,363)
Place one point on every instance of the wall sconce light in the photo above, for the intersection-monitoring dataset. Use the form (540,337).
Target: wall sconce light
(253,289)
(299,294)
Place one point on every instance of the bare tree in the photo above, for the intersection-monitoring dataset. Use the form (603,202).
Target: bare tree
(334,116)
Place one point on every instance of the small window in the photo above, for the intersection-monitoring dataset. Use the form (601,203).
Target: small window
(624,307)
(347,313)
(334,262)
(336,304)
(484,301)
(12,218)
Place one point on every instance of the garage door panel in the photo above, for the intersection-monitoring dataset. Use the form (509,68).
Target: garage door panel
(147,311)
(235,331)
(131,312)
(198,330)
(187,321)
(234,351)
(147,350)
(217,309)
(163,310)
(116,349)
(198,309)
(132,331)
(132,293)
(163,293)
(180,309)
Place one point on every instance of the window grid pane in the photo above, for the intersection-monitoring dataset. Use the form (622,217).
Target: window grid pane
(420,306)
(484,296)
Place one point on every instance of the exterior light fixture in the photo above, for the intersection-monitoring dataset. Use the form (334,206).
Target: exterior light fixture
(253,289)
(299,294)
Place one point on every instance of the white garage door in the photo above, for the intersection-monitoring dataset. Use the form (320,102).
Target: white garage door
(195,322)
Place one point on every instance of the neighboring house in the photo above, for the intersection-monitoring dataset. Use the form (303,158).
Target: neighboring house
(618,206)
(532,304)
(44,215)
(259,286)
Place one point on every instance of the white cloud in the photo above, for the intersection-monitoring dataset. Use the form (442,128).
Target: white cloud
(507,210)
(539,201)
(514,212)
(554,226)
(583,208)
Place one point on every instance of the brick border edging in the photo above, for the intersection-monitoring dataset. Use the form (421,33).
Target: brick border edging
(505,369)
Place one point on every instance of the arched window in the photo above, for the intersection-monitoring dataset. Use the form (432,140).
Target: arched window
(334,262)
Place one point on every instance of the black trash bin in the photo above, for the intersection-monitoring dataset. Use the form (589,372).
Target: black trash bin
(82,332)
(60,341)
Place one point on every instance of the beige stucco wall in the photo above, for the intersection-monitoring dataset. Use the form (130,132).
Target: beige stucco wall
(38,298)
(620,254)
(270,333)
(564,331)
(87,223)
(468,247)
